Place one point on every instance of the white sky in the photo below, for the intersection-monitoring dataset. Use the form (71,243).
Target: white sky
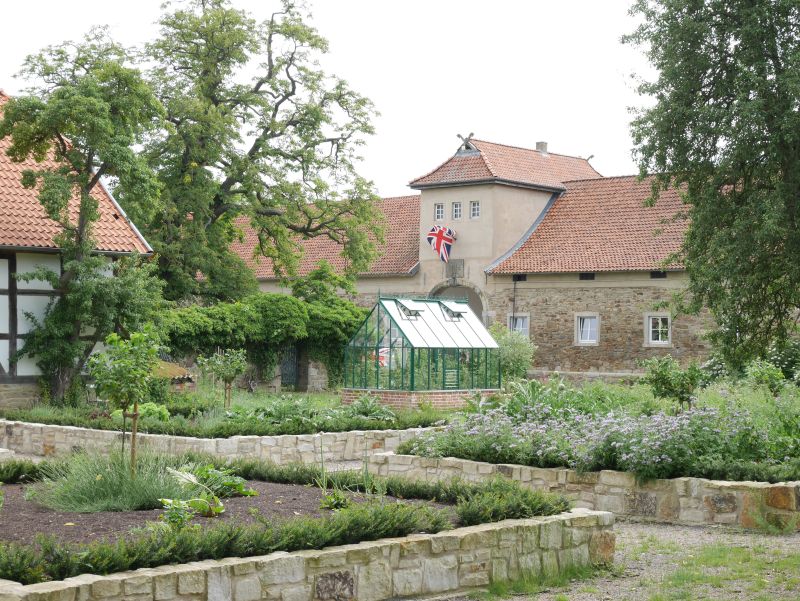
(511,71)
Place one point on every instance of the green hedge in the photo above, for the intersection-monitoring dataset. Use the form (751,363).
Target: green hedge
(264,324)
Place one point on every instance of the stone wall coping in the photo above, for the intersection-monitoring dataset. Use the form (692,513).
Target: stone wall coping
(389,432)
(507,468)
(123,581)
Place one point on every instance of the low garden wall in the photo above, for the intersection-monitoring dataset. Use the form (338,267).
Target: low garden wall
(679,500)
(407,399)
(418,565)
(49,440)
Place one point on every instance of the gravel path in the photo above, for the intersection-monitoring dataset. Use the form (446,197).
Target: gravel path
(659,562)
(656,562)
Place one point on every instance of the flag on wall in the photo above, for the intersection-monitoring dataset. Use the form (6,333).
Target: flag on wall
(441,238)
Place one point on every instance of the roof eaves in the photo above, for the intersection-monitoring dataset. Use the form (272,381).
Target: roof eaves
(494,264)
(383,274)
(127,219)
(492,180)
(595,270)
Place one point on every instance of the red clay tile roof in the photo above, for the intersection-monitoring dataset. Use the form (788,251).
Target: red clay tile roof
(23,222)
(399,254)
(601,225)
(491,162)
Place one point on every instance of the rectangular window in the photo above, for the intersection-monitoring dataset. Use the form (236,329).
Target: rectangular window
(519,323)
(438,212)
(659,330)
(658,275)
(585,276)
(587,329)
(456,210)
(474,209)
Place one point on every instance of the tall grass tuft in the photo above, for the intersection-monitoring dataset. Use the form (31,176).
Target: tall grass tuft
(94,482)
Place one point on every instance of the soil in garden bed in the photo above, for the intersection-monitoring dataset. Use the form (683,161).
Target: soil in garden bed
(21,520)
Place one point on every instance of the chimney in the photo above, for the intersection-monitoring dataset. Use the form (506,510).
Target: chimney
(541,147)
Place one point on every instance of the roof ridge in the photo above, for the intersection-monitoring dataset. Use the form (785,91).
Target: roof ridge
(443,163)
(558,154)
(402,196)
(591,179)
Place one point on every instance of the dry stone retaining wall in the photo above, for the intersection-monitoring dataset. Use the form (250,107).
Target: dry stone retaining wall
(418,565)
(680,500)
(49,440)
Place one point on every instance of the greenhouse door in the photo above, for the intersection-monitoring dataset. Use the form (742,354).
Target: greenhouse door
(450,366)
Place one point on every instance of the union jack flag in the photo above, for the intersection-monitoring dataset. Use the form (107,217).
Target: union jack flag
(441,238)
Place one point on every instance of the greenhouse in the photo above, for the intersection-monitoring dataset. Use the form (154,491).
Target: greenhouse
(419,345)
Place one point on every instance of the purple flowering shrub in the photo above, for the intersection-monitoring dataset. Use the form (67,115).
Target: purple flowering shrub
(650,446)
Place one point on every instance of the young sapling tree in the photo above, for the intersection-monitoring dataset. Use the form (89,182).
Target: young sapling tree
(123,374)
(225,366)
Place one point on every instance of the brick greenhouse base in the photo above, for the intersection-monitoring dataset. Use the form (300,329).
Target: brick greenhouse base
(404,399)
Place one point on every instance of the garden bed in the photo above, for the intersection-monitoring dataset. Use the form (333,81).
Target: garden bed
(22,520)
(679,500)
(454,561)
(497,534)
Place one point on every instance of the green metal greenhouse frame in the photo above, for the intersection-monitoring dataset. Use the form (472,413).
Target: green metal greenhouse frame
(422,344)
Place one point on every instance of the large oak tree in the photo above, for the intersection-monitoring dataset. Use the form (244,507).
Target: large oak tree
(725,126)
(256,130)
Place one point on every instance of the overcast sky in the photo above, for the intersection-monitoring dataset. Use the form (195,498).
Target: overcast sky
(511,71)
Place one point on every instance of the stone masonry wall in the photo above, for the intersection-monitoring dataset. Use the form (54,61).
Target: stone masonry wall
(621,342)
(49,440)
(680,500)
(18,395)
(418,565)
(403,399)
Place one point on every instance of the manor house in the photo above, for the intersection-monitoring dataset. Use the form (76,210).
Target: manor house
(541,242)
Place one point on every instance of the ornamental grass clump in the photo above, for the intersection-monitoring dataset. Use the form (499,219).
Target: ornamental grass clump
(88,483)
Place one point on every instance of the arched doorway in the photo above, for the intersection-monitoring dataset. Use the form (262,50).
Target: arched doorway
(462,292)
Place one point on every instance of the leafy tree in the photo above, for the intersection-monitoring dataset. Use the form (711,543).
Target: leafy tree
(123,373)
(88,112)
(256,130)
(725,128)
(227,366)
(516,351)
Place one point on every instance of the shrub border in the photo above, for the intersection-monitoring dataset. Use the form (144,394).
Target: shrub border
(422,564)
(683,500)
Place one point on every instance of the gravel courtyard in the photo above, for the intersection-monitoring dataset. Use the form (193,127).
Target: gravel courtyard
(657,562)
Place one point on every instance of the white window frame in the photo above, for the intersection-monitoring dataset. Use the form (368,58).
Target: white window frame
(648,341)
(525,316)
(577,329)
(438,211)
(473,213)
(460,206)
